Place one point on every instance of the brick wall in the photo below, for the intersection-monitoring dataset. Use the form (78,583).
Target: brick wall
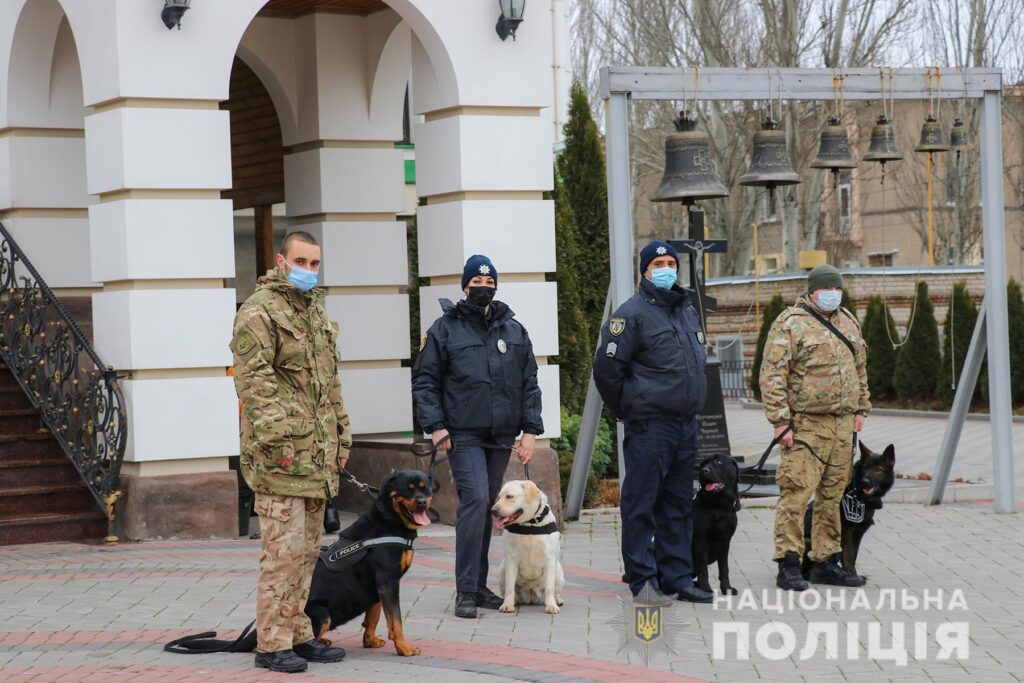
(736,311)
(257,155)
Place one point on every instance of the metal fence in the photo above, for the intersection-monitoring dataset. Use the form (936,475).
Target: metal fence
(736,379)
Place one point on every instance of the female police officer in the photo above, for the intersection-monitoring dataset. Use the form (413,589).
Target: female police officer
(475,381)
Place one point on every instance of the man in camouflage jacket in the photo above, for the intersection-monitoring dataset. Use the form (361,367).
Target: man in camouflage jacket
(812,380)
(295,437)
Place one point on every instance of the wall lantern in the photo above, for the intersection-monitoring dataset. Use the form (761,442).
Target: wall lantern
(173,11)
(511,17)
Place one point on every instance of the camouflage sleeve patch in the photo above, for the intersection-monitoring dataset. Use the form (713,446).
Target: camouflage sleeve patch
(243,343)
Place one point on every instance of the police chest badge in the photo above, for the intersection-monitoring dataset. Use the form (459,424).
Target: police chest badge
(616,326)
(700,336)
(502,346)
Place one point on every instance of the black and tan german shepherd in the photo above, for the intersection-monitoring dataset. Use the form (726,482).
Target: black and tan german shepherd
(873,475)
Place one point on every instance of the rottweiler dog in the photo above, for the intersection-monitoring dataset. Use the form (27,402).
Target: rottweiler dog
(715,519)
(370,586)
(872,476)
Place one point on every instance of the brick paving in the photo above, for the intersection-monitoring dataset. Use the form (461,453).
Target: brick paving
(75,612)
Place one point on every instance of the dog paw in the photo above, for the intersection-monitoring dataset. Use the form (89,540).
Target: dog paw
(373,641)
(507,607)
(559,601)
(551,608)
(408,651)
(730,591)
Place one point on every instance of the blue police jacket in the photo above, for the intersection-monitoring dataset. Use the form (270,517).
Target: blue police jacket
(650,363)
(477,374)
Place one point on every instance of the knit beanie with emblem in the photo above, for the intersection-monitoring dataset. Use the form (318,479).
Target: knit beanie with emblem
(824,276)
(655,249)
(478,264)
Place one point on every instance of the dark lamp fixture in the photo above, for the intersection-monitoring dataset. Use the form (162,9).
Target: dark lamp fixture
(173,11)
(511,17)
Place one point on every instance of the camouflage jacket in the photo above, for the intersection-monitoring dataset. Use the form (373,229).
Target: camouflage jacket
(294,424)
(807,369)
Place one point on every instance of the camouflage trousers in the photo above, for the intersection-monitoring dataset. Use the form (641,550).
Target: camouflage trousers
(290,528)
(801,474)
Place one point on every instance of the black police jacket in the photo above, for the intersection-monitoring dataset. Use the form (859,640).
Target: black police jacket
(650,363)
(477,375)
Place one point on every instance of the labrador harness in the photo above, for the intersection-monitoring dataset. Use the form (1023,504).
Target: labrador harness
(531,528)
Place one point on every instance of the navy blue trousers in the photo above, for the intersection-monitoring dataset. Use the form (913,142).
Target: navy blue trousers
(657,503)
(478,474)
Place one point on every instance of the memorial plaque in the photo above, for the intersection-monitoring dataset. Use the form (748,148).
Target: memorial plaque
(713,435)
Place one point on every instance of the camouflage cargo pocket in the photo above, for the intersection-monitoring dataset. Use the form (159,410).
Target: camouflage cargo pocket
(795,470)
(291,349)
(271,506)
(300,433)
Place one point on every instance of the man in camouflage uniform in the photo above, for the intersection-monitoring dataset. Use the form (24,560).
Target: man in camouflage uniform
(295,437)
(811,379)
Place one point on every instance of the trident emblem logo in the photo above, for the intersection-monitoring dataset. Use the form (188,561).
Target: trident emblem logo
(648,622)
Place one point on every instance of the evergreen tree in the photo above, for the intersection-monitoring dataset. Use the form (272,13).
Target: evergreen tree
(881,354)
(957,330)
(576,342)
(917,361)
(1015,306)
(847,303)
(768,316)
(582,170)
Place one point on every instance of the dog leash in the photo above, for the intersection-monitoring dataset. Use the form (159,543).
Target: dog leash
(371,491)
(759,467)
(424,449)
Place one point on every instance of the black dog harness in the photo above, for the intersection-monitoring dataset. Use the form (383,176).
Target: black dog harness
(531,527)
(344,553)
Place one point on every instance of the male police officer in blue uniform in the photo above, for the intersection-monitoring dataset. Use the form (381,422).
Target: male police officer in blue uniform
(649,369)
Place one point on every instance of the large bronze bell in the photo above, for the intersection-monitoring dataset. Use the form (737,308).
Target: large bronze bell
(883,143)
(769,162)
(689,169)
(958,136)
(834,148)
(932,139)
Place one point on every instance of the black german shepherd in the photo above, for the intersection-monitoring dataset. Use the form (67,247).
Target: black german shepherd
(873,475)
(715,519)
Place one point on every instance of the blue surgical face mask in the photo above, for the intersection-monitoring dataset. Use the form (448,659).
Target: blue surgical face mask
(304,280)
(663,278)
(829,299)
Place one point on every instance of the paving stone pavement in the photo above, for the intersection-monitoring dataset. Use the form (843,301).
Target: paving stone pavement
(72,612)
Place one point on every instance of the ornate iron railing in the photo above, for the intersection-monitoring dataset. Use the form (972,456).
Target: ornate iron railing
(78,397)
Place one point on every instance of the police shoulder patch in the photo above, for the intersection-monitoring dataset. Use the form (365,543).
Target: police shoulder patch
(700,337)
(616,326)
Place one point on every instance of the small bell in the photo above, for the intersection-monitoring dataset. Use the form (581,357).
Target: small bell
(834,148)
(931,137)
(689,169)
(958,137)
(769,160)
(883,143)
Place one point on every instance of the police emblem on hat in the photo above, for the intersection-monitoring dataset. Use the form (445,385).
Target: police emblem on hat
(661,251)
(502,346)
(485,269)
(700,336)
(616,326)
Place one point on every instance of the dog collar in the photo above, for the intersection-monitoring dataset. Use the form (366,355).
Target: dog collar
(530,528)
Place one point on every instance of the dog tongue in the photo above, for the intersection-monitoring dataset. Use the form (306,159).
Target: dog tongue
(500,522)
(421,518)
(712,487)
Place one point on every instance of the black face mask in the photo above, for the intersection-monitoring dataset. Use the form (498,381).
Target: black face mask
(481,295)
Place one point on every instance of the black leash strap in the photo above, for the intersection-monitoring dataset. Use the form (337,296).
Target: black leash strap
(759,467)
(831,328)
(371,491)
(205,643)
(426,449)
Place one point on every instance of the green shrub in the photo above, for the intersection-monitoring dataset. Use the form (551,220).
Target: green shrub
(848,304)
(917,361)
(768,316)
(1015,306)
(957,331)
(604,444)
(881,353)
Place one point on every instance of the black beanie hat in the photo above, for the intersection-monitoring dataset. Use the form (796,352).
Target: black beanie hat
(655,249)
(478,264)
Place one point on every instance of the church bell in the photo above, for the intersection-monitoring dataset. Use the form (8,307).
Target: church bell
(883,143)
(958,137)
(769,161)
(689,169)
(834,148)
(932,139)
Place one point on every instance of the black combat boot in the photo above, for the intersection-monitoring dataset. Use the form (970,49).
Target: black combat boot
(465,605)
(789,573)
(315,651)
(487,599)
(285,661)
(832,573)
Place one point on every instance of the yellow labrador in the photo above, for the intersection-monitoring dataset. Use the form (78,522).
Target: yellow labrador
(531,573)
